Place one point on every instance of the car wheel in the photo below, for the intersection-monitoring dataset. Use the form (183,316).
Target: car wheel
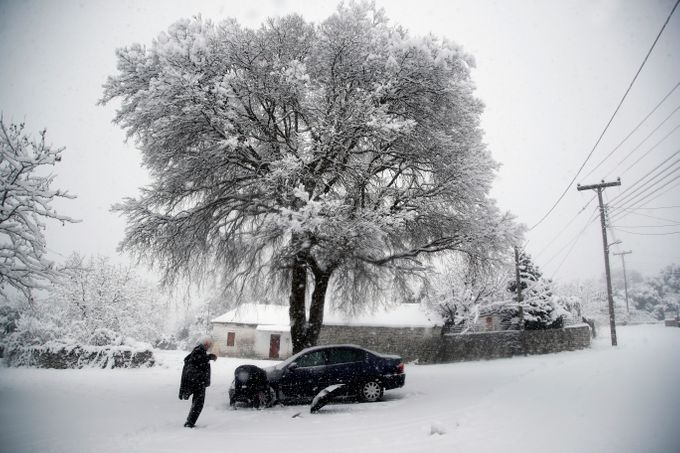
(370,391)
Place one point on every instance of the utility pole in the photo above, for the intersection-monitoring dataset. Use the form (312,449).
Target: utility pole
(519,289)
(599,188)
(625,279)
(517,276)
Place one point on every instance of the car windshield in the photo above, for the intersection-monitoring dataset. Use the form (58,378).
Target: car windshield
(288,361)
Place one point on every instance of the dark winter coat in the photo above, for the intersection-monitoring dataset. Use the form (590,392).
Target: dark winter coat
(196,372)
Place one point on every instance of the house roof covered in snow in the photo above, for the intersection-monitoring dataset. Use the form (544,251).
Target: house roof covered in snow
(401,315)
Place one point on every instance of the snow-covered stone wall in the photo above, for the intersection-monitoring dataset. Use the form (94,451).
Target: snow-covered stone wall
(426,345)
(62,356)
(408,342)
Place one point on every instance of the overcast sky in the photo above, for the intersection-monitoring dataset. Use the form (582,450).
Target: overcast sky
(550,73)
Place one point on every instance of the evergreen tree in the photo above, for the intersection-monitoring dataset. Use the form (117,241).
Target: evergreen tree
(540,310)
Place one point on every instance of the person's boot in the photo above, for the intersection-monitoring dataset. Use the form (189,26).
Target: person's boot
(189,425)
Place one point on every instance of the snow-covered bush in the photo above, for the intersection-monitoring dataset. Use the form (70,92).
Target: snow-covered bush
(166,342)
(100,301)
(105,337)
(461,292)
(8,319)
(92,304)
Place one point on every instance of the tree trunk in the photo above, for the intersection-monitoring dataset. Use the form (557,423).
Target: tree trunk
(321,280)
(296,311)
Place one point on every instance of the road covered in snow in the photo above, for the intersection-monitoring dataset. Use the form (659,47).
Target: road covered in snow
(623,399)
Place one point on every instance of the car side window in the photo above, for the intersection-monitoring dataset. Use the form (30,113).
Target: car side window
(344,355)
(315,358)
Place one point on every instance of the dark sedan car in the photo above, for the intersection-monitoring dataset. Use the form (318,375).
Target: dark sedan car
(365,374)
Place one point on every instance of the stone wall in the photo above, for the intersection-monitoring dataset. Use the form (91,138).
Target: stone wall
(426,345)
(408,342)
(70,356)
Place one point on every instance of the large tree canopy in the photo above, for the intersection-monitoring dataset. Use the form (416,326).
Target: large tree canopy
(338,155)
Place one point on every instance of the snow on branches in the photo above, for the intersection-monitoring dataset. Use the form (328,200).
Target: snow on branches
(25,204)
(344,154)
(93,302)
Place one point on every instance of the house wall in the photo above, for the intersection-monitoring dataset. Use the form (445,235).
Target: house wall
(244,341)
(263,341)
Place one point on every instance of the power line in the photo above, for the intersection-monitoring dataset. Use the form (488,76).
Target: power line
(652,148)
(648,234)
(559,266)
(662,193)
(655,191)
(565,227)
(646,198)
(654,184)
(642,178)
(591,219)
(655,181)
(645,226)
(618,107)
(655,207)
(645,139)
(620,214)
(635,129)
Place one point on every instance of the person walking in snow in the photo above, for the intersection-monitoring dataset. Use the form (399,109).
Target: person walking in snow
(195,378)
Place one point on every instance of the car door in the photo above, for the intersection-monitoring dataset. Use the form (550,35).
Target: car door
(345,366)
(305,377)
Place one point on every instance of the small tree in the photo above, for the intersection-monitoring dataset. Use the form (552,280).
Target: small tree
(26,200)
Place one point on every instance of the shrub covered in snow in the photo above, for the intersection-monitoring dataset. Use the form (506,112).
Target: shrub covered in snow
(94,315)
(166,342)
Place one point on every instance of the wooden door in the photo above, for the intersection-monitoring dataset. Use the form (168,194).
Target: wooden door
(274,346)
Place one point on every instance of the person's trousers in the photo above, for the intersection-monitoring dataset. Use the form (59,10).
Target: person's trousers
(196,405)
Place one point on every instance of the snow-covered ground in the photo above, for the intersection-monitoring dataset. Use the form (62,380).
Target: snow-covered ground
(624,399)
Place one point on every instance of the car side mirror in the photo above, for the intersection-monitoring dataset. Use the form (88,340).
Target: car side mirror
(293,366)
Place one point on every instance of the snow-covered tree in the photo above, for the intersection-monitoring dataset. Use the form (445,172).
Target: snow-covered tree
(26,200)
(96,294)
(337,156)
(461,291)
(540,308)
(659,295)
(667,285)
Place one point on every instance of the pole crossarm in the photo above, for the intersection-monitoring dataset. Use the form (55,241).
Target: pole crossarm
(601,185)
